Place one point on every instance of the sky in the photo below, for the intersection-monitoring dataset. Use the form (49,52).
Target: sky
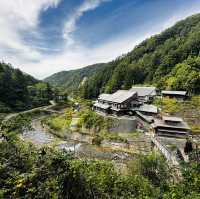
(42,37)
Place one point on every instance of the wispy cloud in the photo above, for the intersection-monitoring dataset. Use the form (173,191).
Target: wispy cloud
(17,17)
(70,25)
(20,16)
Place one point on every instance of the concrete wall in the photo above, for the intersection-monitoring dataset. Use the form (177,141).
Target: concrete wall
(123,125)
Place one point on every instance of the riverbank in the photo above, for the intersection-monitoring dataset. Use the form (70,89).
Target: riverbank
(81,146)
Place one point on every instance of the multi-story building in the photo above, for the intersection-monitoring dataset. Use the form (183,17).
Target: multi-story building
(118,102)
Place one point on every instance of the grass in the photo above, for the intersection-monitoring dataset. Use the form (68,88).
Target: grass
(112,137)
(59,122)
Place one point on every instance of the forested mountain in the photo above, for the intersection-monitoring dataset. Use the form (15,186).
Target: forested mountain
(70,80)
(19,91)
(169,60)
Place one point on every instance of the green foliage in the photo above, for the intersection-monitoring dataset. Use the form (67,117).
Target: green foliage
(89,119)
(169,105)
(59,122)
(196,129)
(93,121)
(40,94)
(153,167)
(97,140)
(71,80)
(20,91)
(185,76)
(112,137)
(189,187)
(27,172)
(18,124)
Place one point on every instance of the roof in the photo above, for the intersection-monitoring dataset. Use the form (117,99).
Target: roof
(118,97)
(162,123)
(174,92)
(147,108)
(144,91)
(104,96)
(172,119)
(148,119)
(103,106)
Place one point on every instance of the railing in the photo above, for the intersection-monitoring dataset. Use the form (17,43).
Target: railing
(168,155)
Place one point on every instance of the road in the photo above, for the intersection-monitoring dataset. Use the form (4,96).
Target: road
(42,108)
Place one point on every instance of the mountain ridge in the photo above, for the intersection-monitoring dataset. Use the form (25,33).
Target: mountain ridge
(74,77)
(169,60)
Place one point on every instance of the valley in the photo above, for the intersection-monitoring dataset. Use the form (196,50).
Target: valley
(123,129)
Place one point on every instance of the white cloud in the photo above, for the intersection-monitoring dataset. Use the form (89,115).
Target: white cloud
(17,16)
(70,25)
(23,15)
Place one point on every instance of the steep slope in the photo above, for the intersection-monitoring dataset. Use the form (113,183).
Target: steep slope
(168,60)
(19,91)
(70,80)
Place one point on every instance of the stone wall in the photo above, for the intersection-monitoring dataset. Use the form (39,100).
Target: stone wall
(138,145)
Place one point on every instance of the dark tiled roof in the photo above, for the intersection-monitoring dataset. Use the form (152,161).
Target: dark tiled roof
(177,125)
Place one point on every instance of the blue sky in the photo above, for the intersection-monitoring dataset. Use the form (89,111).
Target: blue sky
(42,37)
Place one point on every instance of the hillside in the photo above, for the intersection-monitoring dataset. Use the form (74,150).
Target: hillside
(169,60)
(70,80)
(19,91)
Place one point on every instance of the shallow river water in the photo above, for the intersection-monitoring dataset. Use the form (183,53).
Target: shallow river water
(40,136)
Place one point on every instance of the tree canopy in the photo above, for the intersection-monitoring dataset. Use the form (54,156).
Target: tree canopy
(20,91)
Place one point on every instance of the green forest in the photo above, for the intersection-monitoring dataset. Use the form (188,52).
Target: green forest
(71,80)
(169,60)
(20,91)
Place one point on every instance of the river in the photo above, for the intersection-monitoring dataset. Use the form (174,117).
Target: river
(41,137)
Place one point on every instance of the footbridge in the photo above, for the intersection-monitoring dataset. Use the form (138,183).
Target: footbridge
(171,158)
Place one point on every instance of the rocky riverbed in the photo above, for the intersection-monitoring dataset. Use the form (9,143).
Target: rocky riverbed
(40,136)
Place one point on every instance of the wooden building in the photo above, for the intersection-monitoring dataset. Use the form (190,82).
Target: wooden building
(171,127)
(118,103)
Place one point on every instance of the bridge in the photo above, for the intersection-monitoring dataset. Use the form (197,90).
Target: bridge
(172,160)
